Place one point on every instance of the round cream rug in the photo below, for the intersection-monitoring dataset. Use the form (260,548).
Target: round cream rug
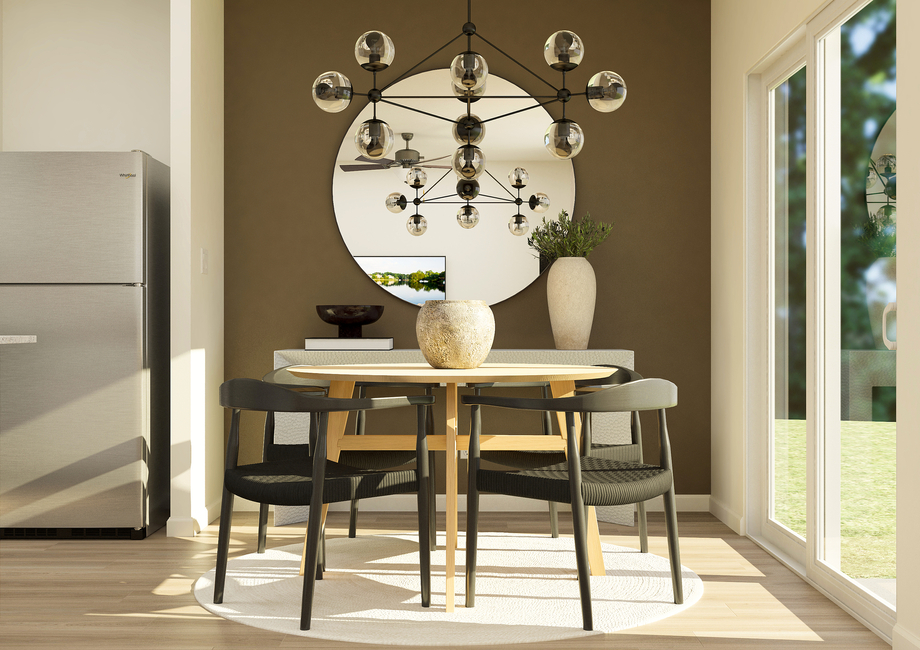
(526,592)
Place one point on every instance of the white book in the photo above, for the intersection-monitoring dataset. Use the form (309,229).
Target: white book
(333,343)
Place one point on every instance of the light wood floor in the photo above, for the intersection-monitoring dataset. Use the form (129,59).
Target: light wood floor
(137,594)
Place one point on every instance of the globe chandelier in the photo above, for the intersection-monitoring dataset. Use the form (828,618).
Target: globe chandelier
(469,71)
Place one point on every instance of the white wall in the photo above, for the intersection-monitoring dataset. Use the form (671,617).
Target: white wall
(85,76)
(197,299)
(742,33)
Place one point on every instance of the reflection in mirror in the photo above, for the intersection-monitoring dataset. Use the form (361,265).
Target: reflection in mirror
(484,261)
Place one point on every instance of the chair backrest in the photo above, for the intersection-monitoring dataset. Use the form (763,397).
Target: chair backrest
(255,395)
(619,376)
(640,395)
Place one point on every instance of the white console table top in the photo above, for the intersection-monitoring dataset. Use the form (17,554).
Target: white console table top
(11,339)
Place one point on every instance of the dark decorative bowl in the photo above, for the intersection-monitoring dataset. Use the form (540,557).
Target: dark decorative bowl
(350,318)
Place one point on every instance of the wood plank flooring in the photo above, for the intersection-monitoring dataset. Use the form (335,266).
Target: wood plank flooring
(137,594)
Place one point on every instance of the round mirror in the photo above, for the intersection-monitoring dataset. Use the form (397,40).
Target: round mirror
(442,256)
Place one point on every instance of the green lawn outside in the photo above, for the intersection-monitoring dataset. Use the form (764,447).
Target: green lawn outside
(867,524)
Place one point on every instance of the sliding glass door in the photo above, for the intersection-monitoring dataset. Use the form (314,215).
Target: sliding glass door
(860,298)
(822,397)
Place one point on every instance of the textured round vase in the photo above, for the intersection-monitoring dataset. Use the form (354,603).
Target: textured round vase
(455,333)
(571,289)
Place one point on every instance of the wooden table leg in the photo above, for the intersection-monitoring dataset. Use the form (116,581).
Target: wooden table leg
(595,553)
(450,492)
(335,429)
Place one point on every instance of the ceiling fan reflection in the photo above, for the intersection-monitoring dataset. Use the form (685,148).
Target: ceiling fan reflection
(405,158)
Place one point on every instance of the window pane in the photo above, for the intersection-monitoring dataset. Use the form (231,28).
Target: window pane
(860,460)
(787,506)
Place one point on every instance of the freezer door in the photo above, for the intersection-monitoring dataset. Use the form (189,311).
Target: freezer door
(74,217)
(73,412)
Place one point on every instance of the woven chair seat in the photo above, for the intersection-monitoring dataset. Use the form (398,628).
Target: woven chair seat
(604,482)
(290,483)
(383,459)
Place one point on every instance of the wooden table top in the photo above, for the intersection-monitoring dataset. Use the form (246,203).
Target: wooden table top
(424,373)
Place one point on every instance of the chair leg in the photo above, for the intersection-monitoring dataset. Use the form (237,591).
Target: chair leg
(670,513)
(432,500)
(424,531)
(472,539)
(643,527)
(353,519)
(223,546)
(554,519)
(263,526)
(321,560)
(581,559)
(309,575)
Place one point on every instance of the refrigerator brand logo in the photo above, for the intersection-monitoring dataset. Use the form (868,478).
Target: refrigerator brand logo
(128,175)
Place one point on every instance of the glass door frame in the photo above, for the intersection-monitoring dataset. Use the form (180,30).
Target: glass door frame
(809,559)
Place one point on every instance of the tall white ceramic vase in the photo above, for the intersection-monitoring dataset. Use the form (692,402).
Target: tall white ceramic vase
(571,290)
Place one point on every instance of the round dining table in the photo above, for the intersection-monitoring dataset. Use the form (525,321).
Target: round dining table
(561,379)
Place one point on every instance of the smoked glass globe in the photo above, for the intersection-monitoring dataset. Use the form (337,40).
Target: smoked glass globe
(468,189)
(467,216)
(518,225)
(468,161)
(332,92)
(518,177)
(472,95)
(563,51)
(564,139)
(887,165)
(886,214)
(539,202)
(469,70)
(606,91)
(469,129)
(374,51)
(416,177)
(396,202)
(417,225)
(374,139)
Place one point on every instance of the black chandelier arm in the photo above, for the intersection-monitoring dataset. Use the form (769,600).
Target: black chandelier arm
(446,196)
(409,108)
(436,183)
(474,202)
(498,199)
(404,74)
(529,108)
(499,183)
(501,51)
(483,97)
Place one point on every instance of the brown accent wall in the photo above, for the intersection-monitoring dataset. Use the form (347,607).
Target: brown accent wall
(645,167)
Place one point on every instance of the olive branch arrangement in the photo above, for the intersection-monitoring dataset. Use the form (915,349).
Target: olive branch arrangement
(564,237)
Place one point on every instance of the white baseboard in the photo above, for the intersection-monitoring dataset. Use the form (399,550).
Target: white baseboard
(487,503)
(902,639)
(724,514)
(182,527)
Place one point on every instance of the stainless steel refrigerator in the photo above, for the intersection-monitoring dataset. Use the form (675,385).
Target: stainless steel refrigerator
(84,411)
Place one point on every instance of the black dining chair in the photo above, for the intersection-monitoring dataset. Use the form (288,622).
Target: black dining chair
(581,480)
(306,477)
(371,459)
(529,459)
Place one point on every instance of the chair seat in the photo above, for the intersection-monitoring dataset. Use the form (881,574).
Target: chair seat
(541,458)
(605,482)
(290,483)
(382,459)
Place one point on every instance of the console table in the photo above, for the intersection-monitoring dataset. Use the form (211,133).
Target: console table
(605,427)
